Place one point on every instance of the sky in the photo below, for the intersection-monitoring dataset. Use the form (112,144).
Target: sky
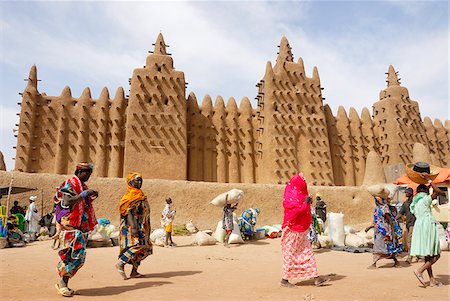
(223,47)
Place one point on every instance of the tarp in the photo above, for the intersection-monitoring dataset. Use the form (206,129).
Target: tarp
(443,177)
(14,190)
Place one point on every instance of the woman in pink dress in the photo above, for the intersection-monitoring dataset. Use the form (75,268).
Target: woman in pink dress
(298,256)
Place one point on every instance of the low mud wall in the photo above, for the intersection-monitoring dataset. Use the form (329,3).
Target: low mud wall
(191,199)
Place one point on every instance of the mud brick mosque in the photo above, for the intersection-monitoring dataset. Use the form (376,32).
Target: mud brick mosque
(164,134)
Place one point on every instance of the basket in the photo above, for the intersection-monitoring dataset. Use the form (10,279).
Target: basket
(415,176)
(3,242)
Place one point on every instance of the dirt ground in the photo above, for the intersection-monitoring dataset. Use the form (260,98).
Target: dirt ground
(251,271)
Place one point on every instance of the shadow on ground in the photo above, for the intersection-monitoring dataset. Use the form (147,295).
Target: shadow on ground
(116,290)
(333,277)
(172,274)
(444,279)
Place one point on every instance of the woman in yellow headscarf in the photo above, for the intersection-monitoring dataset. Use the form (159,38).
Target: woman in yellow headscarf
(134,233)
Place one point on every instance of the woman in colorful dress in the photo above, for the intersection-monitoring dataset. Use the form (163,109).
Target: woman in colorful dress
(298,257)
(387,235)
(75,214)
(134,232)
(425,237)
(247,222)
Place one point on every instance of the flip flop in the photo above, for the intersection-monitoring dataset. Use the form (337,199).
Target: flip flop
(437,284)
(64,291)
(121,272)
(420,278)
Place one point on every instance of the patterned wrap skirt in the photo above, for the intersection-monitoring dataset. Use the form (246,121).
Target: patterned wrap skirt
(73,252)
(298,257)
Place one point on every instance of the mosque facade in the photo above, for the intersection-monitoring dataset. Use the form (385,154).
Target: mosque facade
(163,133)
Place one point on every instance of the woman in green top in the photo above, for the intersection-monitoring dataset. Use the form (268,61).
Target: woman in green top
(425,237)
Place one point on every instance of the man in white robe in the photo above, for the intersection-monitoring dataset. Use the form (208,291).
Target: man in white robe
(32,217)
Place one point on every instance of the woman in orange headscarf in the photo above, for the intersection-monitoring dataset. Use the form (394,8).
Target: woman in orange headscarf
(134,233)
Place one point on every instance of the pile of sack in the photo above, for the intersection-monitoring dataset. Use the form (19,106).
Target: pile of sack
(272,231)
(103,235)
(340,235)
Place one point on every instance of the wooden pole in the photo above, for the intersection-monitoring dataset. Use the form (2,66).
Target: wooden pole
(9,194)
(42,202)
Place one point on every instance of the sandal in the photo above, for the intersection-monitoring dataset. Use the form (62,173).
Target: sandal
(121,272)
(420,278)
(64,291)
(435,283)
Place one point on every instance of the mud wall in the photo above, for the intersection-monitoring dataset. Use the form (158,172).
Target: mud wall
(191,199)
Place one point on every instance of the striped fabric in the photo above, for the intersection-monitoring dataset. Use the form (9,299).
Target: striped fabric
(298,256)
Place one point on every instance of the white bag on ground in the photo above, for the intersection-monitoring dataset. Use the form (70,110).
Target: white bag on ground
(324,241)
(370,234)
(96,237)
(271,232)
(349,230)
(443,243)
(235,237)
(353,240)
(336,228)
(203,239)
(115,234)
(234,196)
(159,233)
(191,227)
(220,233)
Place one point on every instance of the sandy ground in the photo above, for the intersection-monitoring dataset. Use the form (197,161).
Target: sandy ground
(250,271)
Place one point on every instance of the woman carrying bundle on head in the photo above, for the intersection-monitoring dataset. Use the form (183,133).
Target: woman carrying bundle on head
(425,237)
(387,234)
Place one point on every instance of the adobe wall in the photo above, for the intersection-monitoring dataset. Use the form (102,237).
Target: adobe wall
(191,199)
(160,132)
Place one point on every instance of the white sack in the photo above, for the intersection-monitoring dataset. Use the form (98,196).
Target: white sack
(159,233)
(234,196)
(220,233)
(353,240)
(203,239)
(235,236)
(349,230)
(336,228)
(324,241)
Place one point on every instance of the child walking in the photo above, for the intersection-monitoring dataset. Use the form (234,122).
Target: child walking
(167,216)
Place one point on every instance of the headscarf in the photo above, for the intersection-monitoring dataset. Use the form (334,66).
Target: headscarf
(297,212)
(33,198)
(133,195)
(84,166)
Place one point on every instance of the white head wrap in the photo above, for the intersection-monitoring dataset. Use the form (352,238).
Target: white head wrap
(33,198)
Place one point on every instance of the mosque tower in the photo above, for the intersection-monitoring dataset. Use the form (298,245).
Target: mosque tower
(292,132)
(155,142)
(397,122)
